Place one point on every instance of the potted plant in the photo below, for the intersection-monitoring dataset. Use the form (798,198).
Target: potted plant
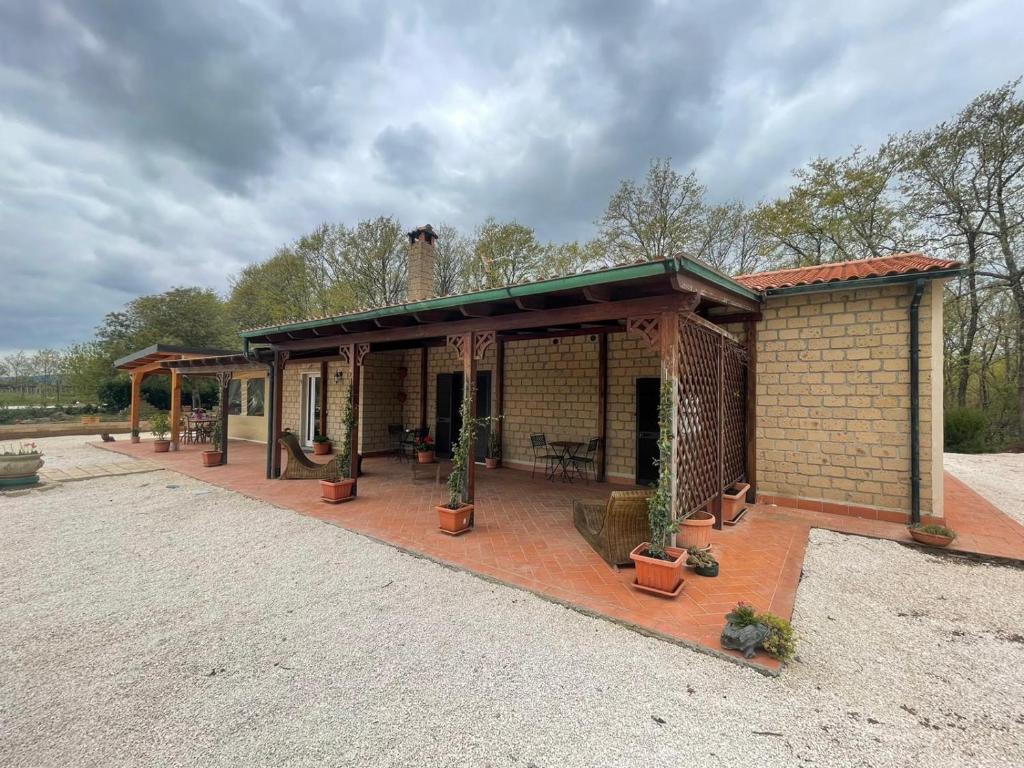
(695,530)
(746,630)
(659,567)
(493,457)
(456,516)
(932,535)
(215,456)
(702,561)
(19,464)
(425,449)
(321,444)
(336,490)
(160,425)
(734,501)
(135,435)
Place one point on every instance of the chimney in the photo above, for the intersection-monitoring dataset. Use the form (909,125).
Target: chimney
(421,263)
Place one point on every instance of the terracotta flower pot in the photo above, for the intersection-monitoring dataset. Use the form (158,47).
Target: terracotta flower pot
(454,521)
(695,531)
(491,463)
(662,577)
(20,470)
(734,503)
(321,449)
(424,457)
(212,458)
(931,539)
(335,492)
(161,446)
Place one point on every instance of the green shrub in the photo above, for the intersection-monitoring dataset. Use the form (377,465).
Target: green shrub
(743,615)
(780,642)
(159,425)
(966,431)
(936,530)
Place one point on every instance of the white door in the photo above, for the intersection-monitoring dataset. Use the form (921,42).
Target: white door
(312,409)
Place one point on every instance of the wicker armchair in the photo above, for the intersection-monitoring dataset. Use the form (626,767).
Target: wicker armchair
(614,528)
(301,467)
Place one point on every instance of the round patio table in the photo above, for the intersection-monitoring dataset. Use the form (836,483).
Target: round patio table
(566,450)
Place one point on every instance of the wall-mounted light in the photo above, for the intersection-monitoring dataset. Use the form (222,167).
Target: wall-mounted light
(337,377)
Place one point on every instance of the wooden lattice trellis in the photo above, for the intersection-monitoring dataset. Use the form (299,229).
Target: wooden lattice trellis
(734,413)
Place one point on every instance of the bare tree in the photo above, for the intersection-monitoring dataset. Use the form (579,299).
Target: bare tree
(454,261)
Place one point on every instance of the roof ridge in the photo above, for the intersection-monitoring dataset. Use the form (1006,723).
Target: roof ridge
(901,254)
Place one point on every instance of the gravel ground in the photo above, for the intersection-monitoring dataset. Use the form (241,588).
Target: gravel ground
(988,474)
(155,620)
(75,451)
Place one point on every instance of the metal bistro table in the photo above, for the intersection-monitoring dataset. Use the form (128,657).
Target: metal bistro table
(566,451)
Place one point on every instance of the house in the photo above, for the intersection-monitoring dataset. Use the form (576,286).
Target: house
(820,386)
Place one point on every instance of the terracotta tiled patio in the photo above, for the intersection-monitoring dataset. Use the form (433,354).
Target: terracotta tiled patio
(524,536)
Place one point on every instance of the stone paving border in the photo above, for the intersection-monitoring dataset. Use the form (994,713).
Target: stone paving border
(92,471)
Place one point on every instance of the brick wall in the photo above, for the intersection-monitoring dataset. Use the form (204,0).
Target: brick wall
(833,399)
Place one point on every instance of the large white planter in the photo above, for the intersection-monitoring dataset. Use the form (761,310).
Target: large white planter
(20,470)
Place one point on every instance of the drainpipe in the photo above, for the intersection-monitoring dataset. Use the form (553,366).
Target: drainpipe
(915,404)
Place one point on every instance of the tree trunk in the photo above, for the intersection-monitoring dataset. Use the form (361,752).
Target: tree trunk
(964,364)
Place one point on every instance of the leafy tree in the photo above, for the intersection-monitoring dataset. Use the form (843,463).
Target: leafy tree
(656,219)
(373,260)
(453,268)
(505,253)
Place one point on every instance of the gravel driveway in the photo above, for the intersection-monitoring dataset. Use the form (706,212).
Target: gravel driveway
(153,620)
(996,476)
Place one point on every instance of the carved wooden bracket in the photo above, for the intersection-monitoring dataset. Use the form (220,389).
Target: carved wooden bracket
(481,342)
(224,378)
(458,343)
(345,351)
(362,350)
(647,328)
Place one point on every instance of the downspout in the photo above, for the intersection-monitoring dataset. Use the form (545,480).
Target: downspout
(915,404)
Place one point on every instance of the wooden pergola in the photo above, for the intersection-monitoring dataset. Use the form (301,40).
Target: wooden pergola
(678,306)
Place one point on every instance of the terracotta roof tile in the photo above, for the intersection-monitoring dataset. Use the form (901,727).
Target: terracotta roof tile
(897,264)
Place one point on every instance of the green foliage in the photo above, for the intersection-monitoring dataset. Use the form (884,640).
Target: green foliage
(966,430)
(217,435)
(320,438)
(345,451)
(458,480)
(935,530)
(494,439)
(743,615)
(659,505)
(115,394)
(505,253)
(781,640)
(159,425)
(700,558)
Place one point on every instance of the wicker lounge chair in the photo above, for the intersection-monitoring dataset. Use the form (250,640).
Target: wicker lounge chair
(614,528)
(301,467)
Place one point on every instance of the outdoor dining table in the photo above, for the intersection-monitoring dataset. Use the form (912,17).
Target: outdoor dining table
(566,451)
(202,427)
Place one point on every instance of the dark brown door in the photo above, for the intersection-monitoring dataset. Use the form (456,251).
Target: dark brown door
(647,395)
(483,411)
(443,429)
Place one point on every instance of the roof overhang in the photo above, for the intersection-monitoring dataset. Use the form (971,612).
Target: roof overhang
(568,302)
(155,356)
(257,360)
(861,283)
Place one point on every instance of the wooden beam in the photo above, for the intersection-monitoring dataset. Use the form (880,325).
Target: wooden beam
(224,379)
(423,386)
(750,328)
(590,331)
(434,315)
(599,293)
(478,310)
(280,361)
(136,400)
(322,426)
(469,390)
(175,409)
(499,388)
(532,303)
(720,432)
(668,328)
(584,313)
(354,372)
(391,322)
(685,284)
(602,405)
(733,317)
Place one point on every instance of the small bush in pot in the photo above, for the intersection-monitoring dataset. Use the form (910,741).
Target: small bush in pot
(19,465)
(160,425)
(702,561)
(493,457)
(336,490)
(456,516)
(215,456)
(932,535)
(321,444)
(425,449)
(659,567)
(746,631)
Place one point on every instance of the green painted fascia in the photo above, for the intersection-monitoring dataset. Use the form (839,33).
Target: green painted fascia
(582,280)
(862,283)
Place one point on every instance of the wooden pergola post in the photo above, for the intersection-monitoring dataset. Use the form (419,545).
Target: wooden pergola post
(354,354)
(750,328)
(668,333)
(469,391)
(175,409)
(280,361)
(499,390)
(602,406)
(322,426)
(423,386)
(224,379)
(135,403)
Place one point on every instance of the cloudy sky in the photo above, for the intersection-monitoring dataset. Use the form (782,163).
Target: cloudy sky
(151,144)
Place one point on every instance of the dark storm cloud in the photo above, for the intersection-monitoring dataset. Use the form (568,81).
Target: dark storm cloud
(151,144)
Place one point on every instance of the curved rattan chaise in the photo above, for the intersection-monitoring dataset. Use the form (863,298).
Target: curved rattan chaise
(301,467)
(614,528)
